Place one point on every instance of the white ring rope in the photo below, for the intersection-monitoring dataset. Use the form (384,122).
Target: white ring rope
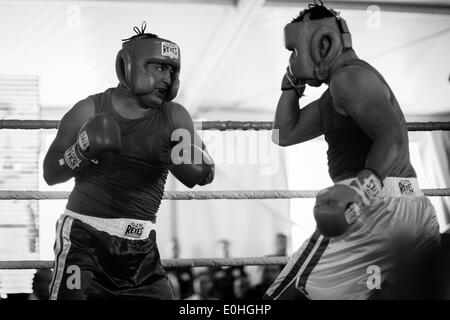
(198,195)
(167,263)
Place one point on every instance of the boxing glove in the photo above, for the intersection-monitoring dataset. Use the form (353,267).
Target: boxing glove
(208,170)
(339,206)
(193,166)
(369,186)
(290,82)
(99,134)
(336,209)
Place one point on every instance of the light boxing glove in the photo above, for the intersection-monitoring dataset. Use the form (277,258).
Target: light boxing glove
(369,186)
(336,208)
(99,134)
(339,206)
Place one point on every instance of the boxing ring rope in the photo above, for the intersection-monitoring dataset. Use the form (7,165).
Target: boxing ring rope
(211,125)
(166,263)
(192,195)
(198,195)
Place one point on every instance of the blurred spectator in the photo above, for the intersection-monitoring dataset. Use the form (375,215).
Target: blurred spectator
(175,285)
(181,279)
(222,248)
(41,285)
(15,296)
(268,274)
(444,264)
(224,277)
(241,288)
(203,287)
(281,243)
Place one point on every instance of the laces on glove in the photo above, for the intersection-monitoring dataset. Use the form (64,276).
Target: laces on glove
(290,82)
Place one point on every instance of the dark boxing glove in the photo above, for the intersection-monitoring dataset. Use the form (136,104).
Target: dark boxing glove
(99,134)
(208,169)
(194,166)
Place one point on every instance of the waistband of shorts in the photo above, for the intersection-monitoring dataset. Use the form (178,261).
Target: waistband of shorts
(131,229)
(396,186)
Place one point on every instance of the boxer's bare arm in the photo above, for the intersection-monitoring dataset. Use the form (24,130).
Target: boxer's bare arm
(293,124)
(362,95)
(182,120)
(67,134)
(186,172)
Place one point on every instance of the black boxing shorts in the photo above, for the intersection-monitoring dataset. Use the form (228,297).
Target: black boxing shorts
(95,264)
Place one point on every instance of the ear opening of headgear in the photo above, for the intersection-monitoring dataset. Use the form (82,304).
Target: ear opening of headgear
(321,22)
(334,40)
(322,63)
(317,11)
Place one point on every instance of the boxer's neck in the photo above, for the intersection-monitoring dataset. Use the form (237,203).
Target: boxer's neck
(340,60)
(128,106)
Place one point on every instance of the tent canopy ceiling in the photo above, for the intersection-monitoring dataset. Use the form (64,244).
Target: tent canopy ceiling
(233,55)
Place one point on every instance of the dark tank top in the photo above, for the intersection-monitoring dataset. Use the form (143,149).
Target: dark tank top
(128,184)
(348,145)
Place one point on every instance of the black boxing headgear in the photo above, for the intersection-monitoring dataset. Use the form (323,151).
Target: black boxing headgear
(305,36)
(139,50)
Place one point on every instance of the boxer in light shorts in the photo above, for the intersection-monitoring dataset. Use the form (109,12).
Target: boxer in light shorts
(375,212)
(358,263)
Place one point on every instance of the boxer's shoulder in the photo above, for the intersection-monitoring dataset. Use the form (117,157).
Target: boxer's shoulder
(350,76)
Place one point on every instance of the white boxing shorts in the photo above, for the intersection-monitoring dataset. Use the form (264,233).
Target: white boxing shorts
(346,267)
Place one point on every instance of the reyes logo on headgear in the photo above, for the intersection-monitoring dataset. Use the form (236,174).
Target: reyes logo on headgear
(169,49)
(405,187)
(134,230)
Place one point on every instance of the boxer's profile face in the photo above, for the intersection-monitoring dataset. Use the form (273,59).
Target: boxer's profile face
(300,63)
(161,79)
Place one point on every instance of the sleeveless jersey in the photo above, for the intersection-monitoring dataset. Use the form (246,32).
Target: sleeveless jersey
(348,145)
(128,184)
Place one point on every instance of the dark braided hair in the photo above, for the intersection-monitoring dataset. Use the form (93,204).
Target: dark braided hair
(315,11)
(140,33)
